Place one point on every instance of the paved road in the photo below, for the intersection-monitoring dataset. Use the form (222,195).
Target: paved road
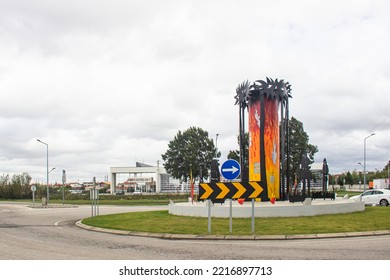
(50,234)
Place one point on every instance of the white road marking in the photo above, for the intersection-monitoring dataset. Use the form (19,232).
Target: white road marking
(57,224)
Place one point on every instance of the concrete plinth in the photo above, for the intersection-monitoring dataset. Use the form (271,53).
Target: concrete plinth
(267,209)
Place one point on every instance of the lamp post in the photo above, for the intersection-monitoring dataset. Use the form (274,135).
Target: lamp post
(47,170)
(364,167)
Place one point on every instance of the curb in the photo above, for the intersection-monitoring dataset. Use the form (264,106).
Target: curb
(172,236)
(53,206)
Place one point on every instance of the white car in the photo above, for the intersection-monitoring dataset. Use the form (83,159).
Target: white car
(376,196)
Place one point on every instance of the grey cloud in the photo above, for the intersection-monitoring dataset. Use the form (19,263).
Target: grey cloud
(110,83)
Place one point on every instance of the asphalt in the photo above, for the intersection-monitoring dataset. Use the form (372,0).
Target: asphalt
(233,237)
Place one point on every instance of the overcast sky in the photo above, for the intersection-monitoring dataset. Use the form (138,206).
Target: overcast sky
(109,83)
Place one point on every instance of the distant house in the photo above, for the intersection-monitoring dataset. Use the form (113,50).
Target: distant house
(57,186)
(76,186)
(103,185)
(88,184)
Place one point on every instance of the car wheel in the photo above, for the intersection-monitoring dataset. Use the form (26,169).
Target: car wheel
(383,202)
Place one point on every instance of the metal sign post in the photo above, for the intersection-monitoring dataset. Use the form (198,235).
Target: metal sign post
(209,215)
(97,202)
(253,215)
(33,189)
(94,195)
(92,206)
(63,186)
(231,216)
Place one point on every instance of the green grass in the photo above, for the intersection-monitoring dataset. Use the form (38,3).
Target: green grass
(349,193)
(373,218)
(117,202)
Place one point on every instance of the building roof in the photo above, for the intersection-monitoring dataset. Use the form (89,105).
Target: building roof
(316,166)
(140,164)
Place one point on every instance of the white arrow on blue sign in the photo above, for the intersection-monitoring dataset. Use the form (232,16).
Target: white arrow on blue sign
(230,169)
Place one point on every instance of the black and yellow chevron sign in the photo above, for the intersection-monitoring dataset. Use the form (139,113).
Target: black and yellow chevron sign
(235,190)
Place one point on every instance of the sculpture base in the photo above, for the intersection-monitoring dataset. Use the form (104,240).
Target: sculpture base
(267,209)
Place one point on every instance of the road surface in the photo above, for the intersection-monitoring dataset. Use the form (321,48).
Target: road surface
(50,234)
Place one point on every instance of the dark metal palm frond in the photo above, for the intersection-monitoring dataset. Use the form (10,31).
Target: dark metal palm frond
(242,94)
(285,92)
(254,92)
(272,89)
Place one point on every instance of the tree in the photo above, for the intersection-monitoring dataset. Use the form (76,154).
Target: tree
(340,181)
(349,179)
(15,187)
(190,151)
(235,154)
(332,180)
(24,181)
(298,145)
(356,177)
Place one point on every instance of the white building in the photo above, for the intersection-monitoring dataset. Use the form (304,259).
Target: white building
(144,178)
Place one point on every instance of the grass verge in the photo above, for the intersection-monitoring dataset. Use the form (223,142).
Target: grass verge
(372,219)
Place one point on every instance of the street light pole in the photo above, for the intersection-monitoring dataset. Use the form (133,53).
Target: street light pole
(47,170)
(364,167)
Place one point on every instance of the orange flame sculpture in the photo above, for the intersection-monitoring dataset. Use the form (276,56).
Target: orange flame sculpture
(264,98)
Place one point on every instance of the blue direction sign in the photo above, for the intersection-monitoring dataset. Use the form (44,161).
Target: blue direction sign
(230,169)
